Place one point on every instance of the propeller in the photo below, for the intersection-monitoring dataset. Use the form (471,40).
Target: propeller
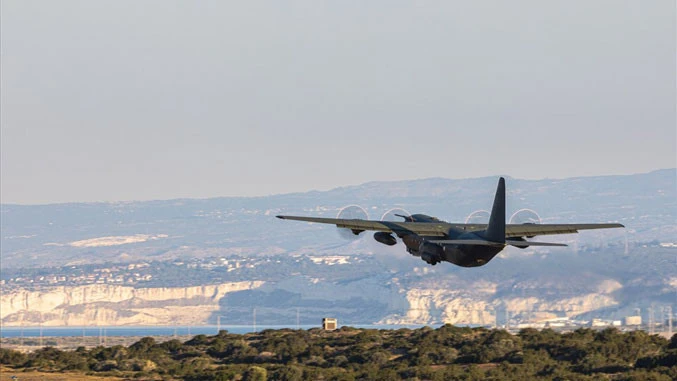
(396,215)
(478,217)
(391,215)
(351,212)
(525,216)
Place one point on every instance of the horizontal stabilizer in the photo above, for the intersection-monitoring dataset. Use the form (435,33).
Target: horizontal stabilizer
(479,242)
(531,243)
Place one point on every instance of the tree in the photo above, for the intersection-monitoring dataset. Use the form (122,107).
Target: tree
(11,357)
(143,346)
(289,373)
(256,373)
(198,340)
(379,357)
(172,345)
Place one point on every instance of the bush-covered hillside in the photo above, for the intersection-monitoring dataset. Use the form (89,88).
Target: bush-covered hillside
(445,353)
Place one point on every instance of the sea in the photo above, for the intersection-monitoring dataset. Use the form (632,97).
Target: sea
(97,331)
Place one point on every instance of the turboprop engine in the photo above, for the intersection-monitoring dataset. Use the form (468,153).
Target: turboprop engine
(430,253)
(412,242)
(418,246)
(385,238)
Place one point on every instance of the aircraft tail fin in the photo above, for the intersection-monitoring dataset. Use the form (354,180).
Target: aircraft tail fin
(496,228)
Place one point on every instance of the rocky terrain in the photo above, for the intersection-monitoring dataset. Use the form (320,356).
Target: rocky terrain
(107,305)
(610,286)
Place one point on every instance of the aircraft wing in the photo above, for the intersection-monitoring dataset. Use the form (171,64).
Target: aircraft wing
(439,229)
(528,230)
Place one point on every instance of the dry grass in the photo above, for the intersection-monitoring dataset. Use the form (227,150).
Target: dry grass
(7,373)
(72,342)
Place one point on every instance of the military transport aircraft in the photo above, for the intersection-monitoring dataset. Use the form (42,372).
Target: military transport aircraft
(466,245)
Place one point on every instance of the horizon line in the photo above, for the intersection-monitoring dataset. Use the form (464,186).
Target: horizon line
(329,190)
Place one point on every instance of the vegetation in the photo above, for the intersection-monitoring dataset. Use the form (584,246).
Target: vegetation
(445,353)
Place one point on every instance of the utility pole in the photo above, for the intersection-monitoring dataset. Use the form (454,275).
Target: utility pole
(638,312)
(507,319)
(218,323)
(531,310)
(41,321)
(667,315)
(670,320)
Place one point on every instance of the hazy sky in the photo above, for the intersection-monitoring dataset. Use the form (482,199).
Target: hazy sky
(134,100)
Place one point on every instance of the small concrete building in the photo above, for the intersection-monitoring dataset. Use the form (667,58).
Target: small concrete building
(600,323)
(329,324)
(633,320)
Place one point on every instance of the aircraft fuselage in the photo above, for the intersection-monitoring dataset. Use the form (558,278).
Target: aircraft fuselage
(460,255)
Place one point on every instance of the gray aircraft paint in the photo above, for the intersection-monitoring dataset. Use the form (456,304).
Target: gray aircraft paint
(465,245)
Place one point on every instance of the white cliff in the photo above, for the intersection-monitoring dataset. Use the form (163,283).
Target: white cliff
(101,304)
(481,306)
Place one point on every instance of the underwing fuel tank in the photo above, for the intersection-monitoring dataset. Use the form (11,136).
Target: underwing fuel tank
(385,238)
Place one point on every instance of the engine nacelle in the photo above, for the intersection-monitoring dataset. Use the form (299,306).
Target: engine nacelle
(529,236)
(418,246)
(412,242)
(385,238)
(430,253)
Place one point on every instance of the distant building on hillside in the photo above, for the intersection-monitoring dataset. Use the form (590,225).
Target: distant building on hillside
(329,324)
(633,320)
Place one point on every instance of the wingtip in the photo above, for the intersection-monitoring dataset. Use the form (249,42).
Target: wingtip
(280,217)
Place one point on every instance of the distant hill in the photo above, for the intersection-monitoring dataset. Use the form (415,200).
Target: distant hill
(602,274)
(56,234)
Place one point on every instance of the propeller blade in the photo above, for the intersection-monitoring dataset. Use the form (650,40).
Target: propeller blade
(351,212)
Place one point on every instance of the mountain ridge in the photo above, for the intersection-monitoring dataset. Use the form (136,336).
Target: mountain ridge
(338,188)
